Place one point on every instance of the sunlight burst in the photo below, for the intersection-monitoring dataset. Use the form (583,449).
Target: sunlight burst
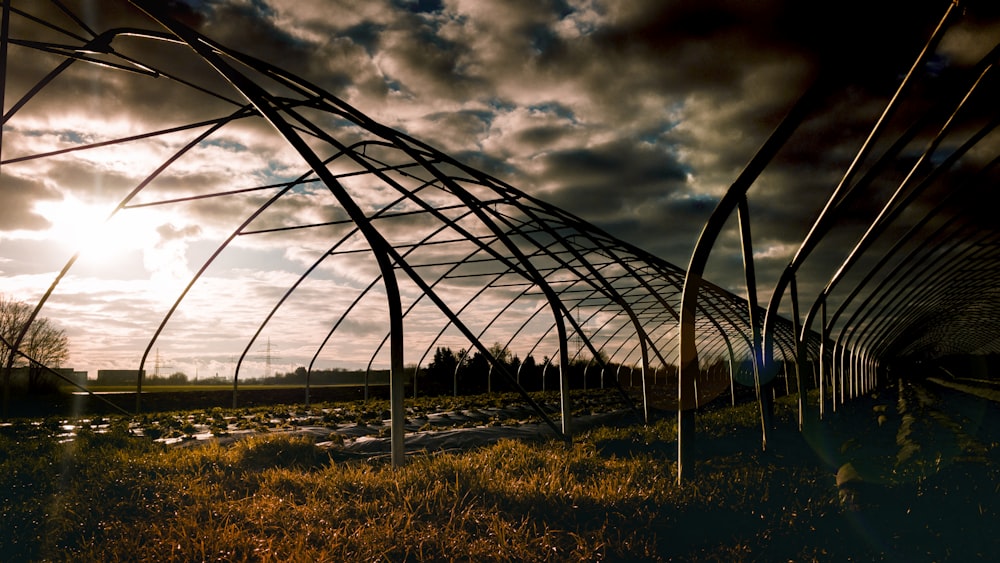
(87,229)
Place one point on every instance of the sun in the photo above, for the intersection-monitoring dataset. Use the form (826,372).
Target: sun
(90,230)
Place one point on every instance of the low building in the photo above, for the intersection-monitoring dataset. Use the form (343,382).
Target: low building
(118,376)
(19,376)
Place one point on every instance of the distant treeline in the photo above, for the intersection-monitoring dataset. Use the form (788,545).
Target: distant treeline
(335,376)
(463,372)
(467,373)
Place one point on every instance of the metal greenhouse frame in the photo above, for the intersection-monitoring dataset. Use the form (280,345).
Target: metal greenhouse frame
(925,265)
(444,254)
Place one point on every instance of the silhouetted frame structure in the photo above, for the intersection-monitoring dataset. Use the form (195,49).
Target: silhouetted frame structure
(473,261)
(921,290)
(438,253)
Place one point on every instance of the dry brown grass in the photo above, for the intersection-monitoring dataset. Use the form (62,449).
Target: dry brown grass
(610,496)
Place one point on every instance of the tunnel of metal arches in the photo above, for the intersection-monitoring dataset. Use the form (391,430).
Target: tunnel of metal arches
(435,253)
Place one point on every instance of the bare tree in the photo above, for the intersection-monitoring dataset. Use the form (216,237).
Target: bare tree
(44,343)
(13,316)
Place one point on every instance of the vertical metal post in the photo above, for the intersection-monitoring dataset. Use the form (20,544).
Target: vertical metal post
(845,373)
(863,382)
(841,369)
(688,351)
(645,370)
(564,400)
(732,380)
(855,369)
(308,377)
(397,374)
(822,361)
(852,361)
(834,373)
(4,33)
(746,243)
(800,351)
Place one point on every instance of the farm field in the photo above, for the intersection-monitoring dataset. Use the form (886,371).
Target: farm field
(193,388)
(924,461)
(116,399)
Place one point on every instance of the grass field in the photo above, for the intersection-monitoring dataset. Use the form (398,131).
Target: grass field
(609,496)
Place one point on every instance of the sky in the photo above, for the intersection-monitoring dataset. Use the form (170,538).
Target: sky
(635,115)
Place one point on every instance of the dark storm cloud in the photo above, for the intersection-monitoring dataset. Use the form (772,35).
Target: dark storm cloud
(461,129)
(494,165)
(87,181)
(704,83)
(540,137)
(634,114)
(122,94)
(586,174)
(709,42)
(19,197)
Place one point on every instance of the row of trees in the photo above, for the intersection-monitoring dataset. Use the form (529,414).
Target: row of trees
(176,378)
(472,373)
(462,372)
(335,376)
(44,344)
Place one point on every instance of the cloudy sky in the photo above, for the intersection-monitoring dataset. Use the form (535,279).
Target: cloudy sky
(635,115)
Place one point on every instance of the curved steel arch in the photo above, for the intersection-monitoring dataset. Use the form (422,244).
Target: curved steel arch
(450,253)
(941,292)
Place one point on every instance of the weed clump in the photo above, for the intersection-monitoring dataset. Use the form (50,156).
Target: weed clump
(264,451)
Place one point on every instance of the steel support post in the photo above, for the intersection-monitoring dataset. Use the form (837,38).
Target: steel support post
(750,273)
(4,32)
(823,369)
(800,351)
(688,352)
